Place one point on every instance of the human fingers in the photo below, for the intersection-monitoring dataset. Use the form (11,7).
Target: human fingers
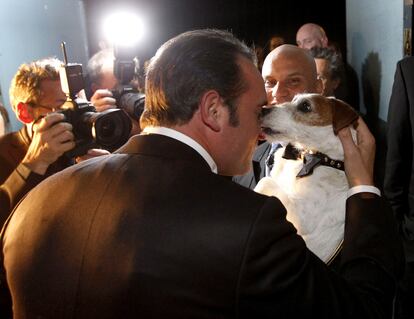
(364,135)
(48,121)
(50,132)
(100,93)
(366,144)
(104,104)
(348,144)
(103,99)
(358,167)
(47,145)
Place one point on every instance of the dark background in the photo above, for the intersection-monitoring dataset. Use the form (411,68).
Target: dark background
(252,21)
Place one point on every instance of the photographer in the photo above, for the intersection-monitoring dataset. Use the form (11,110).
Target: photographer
(102,82)
(35,152)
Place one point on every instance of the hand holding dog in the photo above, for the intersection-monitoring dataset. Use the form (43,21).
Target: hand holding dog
(358,157)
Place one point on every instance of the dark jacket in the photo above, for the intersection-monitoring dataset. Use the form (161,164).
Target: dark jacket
(151,232)
(399,168)
(258,170)
(15,178)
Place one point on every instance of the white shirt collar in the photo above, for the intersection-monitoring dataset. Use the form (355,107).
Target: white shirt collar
(184,139)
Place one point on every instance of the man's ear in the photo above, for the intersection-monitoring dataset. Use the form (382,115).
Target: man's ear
(211,109)
(24,113)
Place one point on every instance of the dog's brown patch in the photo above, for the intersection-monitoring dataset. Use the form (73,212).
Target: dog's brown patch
(343,115)
(324,109)
(321,114)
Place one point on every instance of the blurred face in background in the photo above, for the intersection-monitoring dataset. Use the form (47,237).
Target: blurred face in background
(325,75)
(311,35)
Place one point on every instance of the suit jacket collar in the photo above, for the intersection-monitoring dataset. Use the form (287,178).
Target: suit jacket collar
(162,146)
(259,159)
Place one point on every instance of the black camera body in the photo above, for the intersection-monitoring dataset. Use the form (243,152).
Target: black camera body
(130,100)
(127,97)
(108,130)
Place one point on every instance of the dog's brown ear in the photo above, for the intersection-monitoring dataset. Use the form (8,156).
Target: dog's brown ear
(343,115)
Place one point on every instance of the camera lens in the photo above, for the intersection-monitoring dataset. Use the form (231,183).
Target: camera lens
(132,103)
(107,128)
(112,128)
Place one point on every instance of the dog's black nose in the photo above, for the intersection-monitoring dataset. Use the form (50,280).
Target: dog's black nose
(266,110)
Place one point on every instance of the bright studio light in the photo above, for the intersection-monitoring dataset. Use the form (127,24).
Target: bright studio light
(123,28)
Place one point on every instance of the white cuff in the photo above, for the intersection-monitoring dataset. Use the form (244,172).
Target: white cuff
(363,189)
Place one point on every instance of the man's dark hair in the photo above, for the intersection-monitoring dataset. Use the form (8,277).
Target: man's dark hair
(336,65)
(187,66)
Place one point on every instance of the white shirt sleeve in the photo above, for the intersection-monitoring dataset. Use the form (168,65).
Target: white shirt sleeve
(363,189)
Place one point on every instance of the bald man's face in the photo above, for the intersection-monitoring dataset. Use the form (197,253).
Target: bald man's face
(309,37)
(289,73)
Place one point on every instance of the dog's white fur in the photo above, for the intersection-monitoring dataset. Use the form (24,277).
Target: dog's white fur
(315,204)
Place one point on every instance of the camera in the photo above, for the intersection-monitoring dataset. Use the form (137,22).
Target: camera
(128,98)
(108,130)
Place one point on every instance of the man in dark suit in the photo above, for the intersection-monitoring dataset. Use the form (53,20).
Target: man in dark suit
(399,177)
(154,232)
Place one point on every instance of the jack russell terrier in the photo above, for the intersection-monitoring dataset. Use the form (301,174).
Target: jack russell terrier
(308,174)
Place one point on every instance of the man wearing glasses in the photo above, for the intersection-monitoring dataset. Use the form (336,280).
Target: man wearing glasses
(35,151)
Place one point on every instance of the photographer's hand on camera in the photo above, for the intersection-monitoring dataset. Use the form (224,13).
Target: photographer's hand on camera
(51,138)
(103,100)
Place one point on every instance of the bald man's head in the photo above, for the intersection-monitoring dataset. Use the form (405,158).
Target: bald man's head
(311,35)
(287,71)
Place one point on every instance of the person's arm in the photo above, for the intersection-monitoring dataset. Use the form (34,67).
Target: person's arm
(50,140)
(19,182)
(399,147)
(280,277)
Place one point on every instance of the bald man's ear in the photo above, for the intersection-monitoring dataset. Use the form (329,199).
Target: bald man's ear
(24,113)
(211,109)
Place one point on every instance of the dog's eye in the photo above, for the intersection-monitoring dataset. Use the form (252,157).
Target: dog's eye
(305,107)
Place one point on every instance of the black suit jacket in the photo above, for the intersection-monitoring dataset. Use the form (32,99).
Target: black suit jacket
(15,178)
(258,170)
(151,232)
(399,168)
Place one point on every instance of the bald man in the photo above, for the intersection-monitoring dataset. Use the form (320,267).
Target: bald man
(287,71)
(311,35)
